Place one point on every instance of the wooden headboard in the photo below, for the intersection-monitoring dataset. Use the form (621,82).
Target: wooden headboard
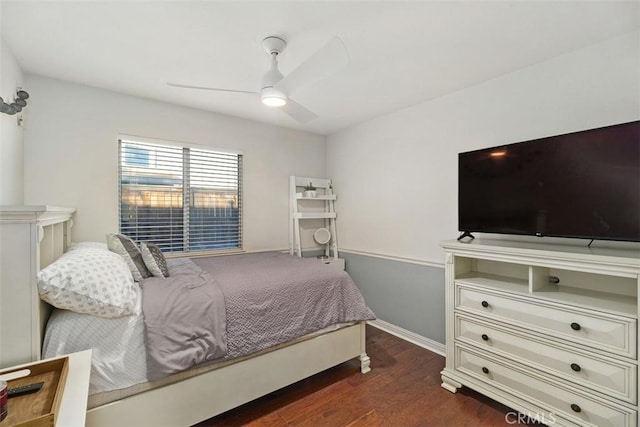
(31,237)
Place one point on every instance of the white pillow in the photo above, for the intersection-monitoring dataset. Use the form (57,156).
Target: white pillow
(82,245)
(91,281)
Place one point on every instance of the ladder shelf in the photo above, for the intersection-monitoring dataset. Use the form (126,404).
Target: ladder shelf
(323,209)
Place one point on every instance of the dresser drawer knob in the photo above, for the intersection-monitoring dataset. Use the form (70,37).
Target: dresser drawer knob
(575,408)
(576,367)
(576,326)
(485,370)
(485,304)
(485,337)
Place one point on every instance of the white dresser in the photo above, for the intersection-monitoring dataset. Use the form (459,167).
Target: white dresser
(550,331)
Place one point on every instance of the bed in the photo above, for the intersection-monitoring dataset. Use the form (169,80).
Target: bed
(220,384)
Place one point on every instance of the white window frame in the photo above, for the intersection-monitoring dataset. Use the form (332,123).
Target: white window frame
(208,200)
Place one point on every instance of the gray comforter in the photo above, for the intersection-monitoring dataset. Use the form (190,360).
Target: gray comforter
(184,319)
(269,298)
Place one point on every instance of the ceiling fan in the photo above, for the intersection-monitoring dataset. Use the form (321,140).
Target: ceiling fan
(276,89)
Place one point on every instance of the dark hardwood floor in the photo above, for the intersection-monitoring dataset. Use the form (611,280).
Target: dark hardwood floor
(402,389)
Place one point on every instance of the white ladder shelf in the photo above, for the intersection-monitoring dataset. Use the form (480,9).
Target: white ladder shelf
(324,198)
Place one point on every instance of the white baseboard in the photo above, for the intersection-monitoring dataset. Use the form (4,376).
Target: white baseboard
(412,337)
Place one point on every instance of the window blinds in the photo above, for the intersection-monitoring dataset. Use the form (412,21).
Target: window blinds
(181,198)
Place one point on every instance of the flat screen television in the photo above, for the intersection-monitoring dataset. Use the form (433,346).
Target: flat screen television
(581,185)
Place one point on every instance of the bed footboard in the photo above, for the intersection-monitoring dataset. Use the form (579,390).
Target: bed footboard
(203,396)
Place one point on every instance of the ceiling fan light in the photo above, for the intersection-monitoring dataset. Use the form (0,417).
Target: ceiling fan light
(273,101)
(273,98)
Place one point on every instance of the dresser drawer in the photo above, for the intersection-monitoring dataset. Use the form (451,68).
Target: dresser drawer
(614,378)
(601,331)
(563,402)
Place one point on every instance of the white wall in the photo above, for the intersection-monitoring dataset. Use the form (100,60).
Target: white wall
(11,135)
(71,155)
(397,175)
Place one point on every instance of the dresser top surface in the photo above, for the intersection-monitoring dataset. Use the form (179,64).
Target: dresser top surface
(628,254)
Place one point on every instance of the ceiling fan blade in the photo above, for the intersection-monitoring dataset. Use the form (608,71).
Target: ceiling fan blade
(210,88)
(298,112)
(327,61)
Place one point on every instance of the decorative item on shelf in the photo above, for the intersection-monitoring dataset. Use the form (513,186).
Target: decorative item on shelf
(19,102)
(322,236)
(309,190)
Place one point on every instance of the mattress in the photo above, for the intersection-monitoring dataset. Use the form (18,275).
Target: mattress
(118,359)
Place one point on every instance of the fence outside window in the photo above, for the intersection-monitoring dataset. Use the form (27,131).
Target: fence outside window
(183,199)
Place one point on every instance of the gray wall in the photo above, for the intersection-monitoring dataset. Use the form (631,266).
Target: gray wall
(404,294)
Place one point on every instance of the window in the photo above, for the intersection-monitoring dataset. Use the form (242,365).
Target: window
(181,198)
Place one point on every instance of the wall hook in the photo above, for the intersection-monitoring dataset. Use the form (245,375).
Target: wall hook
(19,102)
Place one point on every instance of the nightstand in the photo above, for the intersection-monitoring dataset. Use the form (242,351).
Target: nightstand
(73,405)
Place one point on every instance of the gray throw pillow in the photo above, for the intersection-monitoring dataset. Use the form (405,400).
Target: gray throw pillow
(154,259)
(128,250)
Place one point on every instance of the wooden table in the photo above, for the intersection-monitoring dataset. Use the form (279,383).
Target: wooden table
(73,406)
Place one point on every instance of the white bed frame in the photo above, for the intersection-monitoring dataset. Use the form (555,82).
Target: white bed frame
(34,236)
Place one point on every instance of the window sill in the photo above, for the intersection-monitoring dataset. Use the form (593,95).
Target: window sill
(203,254)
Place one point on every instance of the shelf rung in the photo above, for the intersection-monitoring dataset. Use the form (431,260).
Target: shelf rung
(315,215)
(324,197)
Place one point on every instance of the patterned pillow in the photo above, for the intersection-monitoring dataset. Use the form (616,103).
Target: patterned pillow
(128,250)
(91,281)
(154,259)
(80,245)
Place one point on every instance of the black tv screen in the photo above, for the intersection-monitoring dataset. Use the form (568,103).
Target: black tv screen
(583,185)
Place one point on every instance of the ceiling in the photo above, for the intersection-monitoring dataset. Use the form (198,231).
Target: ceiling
(401,53)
